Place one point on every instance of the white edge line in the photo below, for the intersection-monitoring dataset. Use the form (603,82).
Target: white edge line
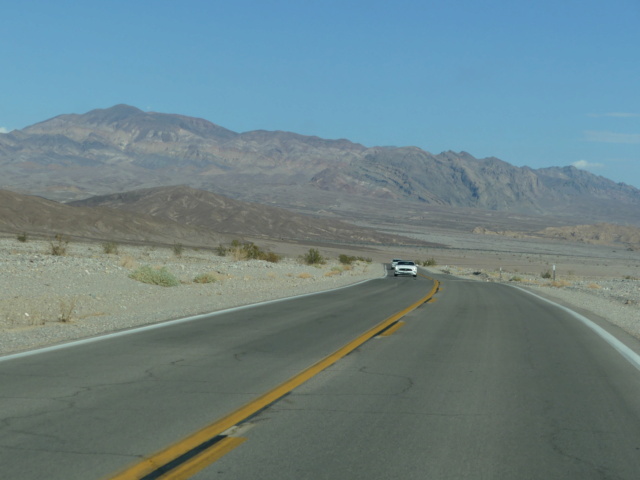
(161,324)
(631,356)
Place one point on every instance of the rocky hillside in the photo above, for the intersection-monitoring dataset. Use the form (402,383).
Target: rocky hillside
(598,234)
(122,148)
(41,217)
(198,208)
(175,214)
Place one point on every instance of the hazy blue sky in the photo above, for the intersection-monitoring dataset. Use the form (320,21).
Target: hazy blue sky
(538,83)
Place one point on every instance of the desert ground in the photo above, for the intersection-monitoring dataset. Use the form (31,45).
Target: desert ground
(48,299)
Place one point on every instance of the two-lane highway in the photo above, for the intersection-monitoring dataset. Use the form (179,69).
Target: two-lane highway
(485,381)
(88,410)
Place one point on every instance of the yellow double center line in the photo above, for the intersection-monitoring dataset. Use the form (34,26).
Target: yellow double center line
(183,459)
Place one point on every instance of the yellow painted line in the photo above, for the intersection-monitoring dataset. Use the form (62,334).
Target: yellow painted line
(392,329)
(200,461)
(152,463)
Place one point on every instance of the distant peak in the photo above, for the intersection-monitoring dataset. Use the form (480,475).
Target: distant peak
(112,114)
(123,108)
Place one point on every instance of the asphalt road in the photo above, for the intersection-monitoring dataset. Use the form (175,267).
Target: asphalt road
(87,411)
(484,382)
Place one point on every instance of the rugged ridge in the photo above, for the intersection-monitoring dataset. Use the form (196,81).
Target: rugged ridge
(198,208)
(175,214)
(76,156)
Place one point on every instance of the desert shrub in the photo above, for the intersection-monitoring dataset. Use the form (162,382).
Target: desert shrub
(66,310)
(248,251)
(178,248)
(22,237)
(110,248)
(252,251)
(546,274)
(332,273)
(350,259)
(271,257)
(209,277)
(221,250)
(429,262)
(313,257)
(237,253)
(346,259)
(515,279)
(153,276)
(59,245)
(305,275)
(128,261)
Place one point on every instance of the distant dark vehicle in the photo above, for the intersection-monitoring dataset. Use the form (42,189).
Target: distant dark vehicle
(405,267)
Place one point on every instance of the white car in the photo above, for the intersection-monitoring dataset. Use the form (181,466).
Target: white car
(405,267)
(394,262)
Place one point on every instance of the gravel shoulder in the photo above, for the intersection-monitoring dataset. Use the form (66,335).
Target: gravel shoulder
(616,300)
(47,299)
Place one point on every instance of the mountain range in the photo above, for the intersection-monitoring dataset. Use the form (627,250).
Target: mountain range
(73,157)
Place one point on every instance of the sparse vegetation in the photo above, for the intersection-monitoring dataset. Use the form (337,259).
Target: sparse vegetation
(305,275)
(22,237)
(221,250)
(155,276)
(546,274)
(429,262)
(209,277)
(515,279)
(252,251)
(332,273)
(313,257)
(178,248)
(272,257)
(350,259)
(66,310)
(346,259)
(127,261)
(59,245)
(248,251)
(110,248)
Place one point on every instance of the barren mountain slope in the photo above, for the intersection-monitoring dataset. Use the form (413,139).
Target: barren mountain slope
(194,207)
(39,216)
(123,148)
